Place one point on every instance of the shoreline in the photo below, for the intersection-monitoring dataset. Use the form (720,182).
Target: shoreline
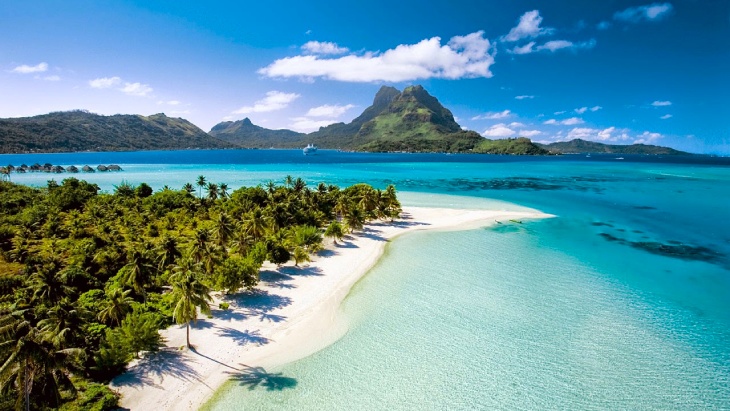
(290,315)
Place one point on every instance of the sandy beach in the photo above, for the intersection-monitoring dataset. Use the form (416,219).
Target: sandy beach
(291,314)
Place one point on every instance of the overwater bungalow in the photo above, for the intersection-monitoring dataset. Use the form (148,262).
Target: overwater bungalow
(72,169)
(87,169)
(102,167)
(114,167)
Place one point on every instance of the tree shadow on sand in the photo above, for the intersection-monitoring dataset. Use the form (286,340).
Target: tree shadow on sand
(254,377)
(242,337)
(154,366)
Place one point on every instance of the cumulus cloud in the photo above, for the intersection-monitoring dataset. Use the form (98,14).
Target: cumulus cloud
(596,108)
(323,47)
(493,115)
(661,103)
(331,111)
(581,110)
(274,100)
(610,134)
(462,57)
(499,131)
(647,138)
(649,12)
(526,49)
(529,133)
(527,27)
(567,122)
(555,45)
(26,69)
(306,124)
(136,89)
(666,117)
(524,97)
(105,82)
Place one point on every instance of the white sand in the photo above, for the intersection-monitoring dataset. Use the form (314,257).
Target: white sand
(290,315)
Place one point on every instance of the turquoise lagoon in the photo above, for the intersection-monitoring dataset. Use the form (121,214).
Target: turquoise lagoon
(621,302)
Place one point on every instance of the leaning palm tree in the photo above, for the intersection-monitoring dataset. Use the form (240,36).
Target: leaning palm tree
(189,294)
(223,190)
(334,231)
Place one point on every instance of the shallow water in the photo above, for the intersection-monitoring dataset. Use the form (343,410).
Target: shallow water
(620,302)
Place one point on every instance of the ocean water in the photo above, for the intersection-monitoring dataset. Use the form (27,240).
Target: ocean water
(621,302)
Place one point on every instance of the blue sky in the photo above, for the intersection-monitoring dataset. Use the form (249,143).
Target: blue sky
(612,71)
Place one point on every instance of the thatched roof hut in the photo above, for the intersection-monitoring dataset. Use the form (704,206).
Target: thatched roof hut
(114,167)
(87,169)
(72,169)
(57,169)
(102,167)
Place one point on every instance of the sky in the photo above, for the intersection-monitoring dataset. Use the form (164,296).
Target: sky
(613,71)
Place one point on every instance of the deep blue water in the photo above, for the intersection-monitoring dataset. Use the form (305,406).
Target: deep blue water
(620,302)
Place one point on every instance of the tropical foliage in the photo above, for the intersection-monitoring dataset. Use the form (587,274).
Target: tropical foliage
(87,278)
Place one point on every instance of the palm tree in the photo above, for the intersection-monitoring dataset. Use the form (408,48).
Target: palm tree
(300,255)
(189,293)
(271,187)
(334,231)
(355,218)
(188,188)
(223,228)
(48,284)
(223,190)
(299,185)
(256,224)
(167,251)
(201,184)
(288,180)
(137,272)
(116,306)
(212,191)
(64,325)
(30,361)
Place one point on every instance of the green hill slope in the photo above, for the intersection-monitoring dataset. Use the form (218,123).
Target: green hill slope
(583,146)
(243,133)
(84,131)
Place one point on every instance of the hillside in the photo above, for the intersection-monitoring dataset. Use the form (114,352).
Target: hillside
(412,121)
(583,146)
(84,131)
(243,133)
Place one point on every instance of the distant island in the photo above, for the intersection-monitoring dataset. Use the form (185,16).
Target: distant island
(407,121)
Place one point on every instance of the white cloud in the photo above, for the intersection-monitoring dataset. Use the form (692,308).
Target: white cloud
(493,115)
(666,117)
(596,108)
(527,27)
(523,97)
(52,78)
(516,124)
(498,130)
(529,133)
(649,12)
(526,49)
(567,122)
(647,138)
(610,134)
(661,103)
(306,125)
(104,82)
(462,57)
(581,110)
(557,113)
(136,89)
(555,45)
(323,47)
(26,69)
(330,111)
(274,100)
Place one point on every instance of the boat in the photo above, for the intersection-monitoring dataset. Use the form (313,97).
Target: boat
(310,149)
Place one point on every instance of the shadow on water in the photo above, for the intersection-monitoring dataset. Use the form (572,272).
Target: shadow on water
(255,377)
(168,362)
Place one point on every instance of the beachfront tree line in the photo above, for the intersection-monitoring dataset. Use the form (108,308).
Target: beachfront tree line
(87,278)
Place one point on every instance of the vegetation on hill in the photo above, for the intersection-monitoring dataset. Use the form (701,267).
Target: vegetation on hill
(583,146)
(87,279)
(521,146)
(243,133)
(84,131)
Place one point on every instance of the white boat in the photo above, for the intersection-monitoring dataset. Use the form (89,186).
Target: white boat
(310,149)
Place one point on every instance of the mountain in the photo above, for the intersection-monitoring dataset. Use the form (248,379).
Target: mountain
(243,133)
(84,131)
(411,120)
(583,146)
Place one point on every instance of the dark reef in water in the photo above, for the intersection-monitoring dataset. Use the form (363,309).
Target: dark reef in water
(673,249)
